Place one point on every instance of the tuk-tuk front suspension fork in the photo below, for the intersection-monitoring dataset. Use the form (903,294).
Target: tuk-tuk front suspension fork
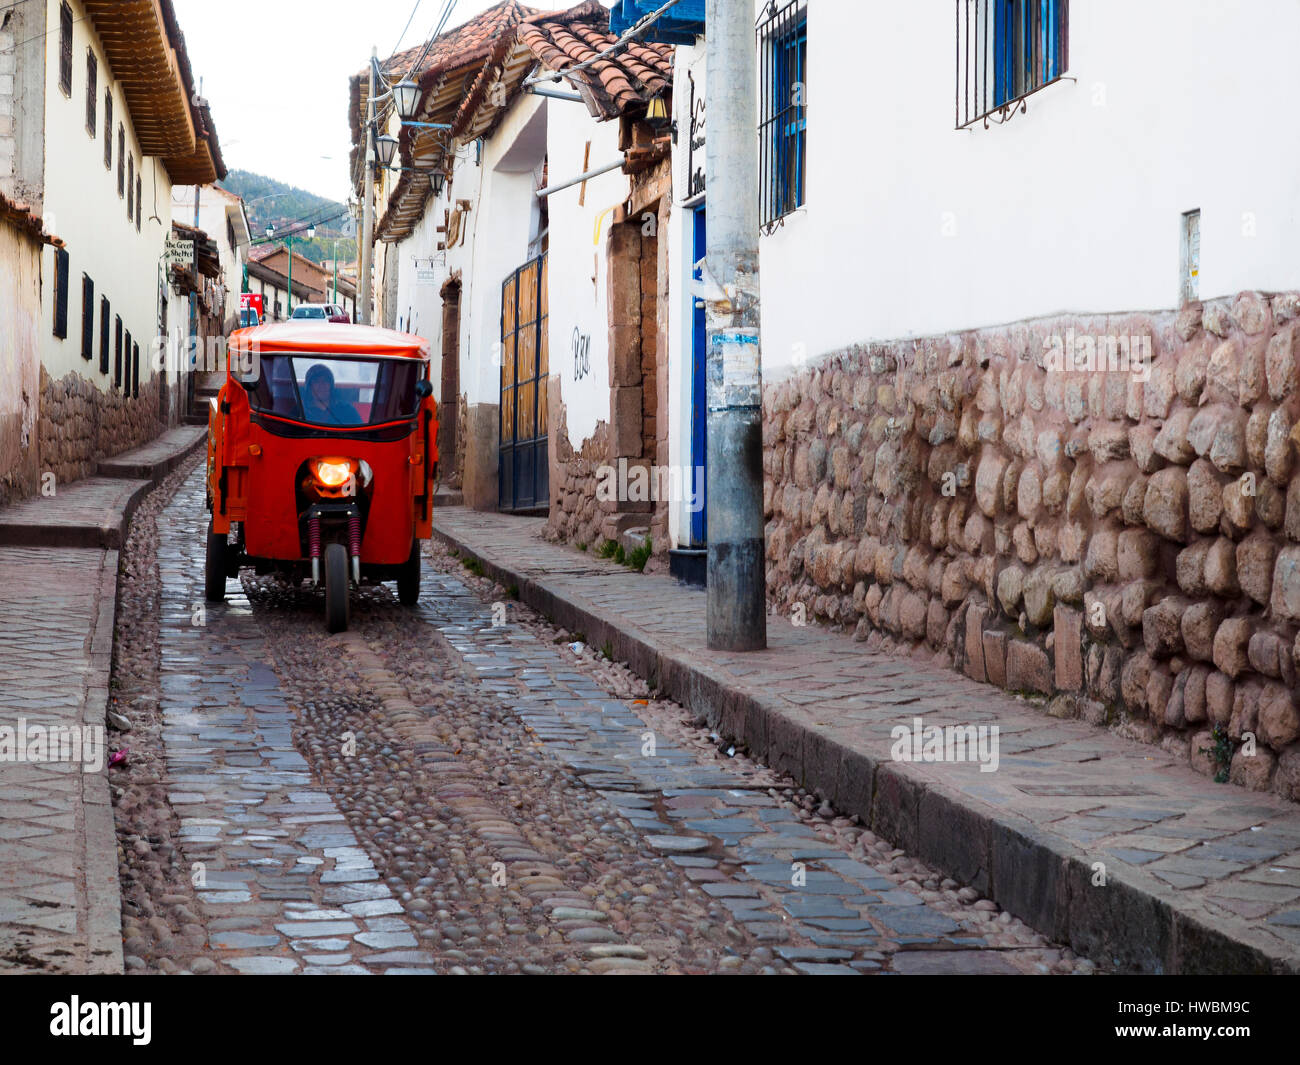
(313,536)
(354,545)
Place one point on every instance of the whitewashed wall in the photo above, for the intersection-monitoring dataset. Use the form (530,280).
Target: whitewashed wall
(82,207)
(914,228)
(579,270)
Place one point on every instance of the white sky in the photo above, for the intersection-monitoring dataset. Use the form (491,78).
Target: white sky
(276,74)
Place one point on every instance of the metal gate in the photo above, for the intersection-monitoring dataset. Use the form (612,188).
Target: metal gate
(523,471)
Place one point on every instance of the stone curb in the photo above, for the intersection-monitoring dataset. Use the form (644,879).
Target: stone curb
(108,531)
(1137,925)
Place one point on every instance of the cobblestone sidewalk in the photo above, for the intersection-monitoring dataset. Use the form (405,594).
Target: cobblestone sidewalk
(1095,840)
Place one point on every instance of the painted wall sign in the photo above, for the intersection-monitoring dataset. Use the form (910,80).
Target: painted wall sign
(581,354)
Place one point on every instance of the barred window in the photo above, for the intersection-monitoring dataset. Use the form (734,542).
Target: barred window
(87,317)
(117,352)
(121,160)
(92,90)
(130,187)
(138,200)
(783,97)
(65,49)
(124,378)
(1007,50)
(108,129)
(135,371)
(61,293)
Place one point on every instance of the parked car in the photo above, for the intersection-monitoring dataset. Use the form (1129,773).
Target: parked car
(329,312)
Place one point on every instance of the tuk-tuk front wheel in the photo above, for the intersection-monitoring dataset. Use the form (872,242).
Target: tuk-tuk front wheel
(215,566)
(337,592)
(408,581)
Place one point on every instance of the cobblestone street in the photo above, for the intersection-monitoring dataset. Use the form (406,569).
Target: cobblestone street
(456,789)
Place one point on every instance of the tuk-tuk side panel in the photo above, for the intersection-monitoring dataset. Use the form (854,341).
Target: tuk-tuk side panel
(232,409)
(216,448)
(424,456)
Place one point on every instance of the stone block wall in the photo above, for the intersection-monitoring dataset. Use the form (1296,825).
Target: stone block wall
(576,515)
(80,424)
(1119,536)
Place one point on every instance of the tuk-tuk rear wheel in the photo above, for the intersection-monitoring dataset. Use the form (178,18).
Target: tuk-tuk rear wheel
(337,592)
(408,583)
(215,567)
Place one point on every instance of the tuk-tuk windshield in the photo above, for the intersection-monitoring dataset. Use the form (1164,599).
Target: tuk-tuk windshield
(336,390)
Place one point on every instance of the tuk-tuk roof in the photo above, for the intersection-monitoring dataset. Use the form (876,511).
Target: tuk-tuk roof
(330,338)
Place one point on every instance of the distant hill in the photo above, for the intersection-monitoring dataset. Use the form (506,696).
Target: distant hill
(271,202)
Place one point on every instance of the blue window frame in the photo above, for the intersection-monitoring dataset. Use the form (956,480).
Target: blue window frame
(1028,46)
(783,132)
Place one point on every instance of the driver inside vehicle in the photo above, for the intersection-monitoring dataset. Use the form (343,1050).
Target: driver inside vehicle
(321,402)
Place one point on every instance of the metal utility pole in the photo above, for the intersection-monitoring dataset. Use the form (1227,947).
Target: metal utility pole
(737,580)
(367,194)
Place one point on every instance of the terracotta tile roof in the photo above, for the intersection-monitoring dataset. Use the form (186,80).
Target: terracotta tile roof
(22,217)
(611,86)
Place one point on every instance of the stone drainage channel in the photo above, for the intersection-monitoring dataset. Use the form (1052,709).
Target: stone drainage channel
(444,791)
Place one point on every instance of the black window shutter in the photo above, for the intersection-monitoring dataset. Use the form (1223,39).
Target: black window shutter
(65,49)
(135,372)
(61,293)
(130,187)
(92,91)
(108,129)
(137,202)
(87,317)
(105,323)
(117,352)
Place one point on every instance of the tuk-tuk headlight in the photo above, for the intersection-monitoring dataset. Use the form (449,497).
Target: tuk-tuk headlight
(333,473)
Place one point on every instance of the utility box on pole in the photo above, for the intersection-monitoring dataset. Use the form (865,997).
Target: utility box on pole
(737,579)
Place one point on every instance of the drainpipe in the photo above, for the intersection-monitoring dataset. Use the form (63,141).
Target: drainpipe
(737,591)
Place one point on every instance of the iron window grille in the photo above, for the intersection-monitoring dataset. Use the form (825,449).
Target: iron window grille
(130,187)
(105,328)
(117,352)
(92,90)
(87,317)
(138,201)
(1006,51)
(61,293)
(124,378)
(783,122)
(65,49)
(135,371)
(108,129)
(121,160)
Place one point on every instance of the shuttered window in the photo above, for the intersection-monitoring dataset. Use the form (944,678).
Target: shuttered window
(117,352)
(61,293)
(65,49)
(135,371)
(130,187)
(105,324)
(87,317)
(92,91)
(121,160)
(108,129)
(137,203)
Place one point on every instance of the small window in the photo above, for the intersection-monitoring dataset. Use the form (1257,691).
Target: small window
(1006,50)
(117,352)
(61,293)
(121,160)
(124,379)
(108,129)
(783,43)
(135,371)
(92,90)
(130,187)
(65,49)
(87,317)
(138,201)
(105,325)
(1191,257)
